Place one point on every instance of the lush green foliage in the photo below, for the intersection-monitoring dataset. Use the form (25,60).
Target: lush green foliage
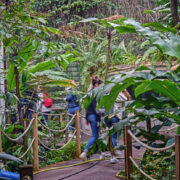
(92,54)
(29,51)
(159,165)
(67,153)
(66,11)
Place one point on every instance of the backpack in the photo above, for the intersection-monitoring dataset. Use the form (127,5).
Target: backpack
(47,101)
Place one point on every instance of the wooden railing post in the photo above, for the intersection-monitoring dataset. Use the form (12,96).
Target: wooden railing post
(177,156)
(35,144)
(78,143)
(60,116)
(128,152)
(148,124)
(67,130)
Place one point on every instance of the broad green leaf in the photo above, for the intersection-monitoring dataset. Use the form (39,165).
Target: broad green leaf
(167,88)
(111,97)
(169,45)
(160,27)
(142,88)
(64,83)
(53,30)
(125,29)
(42,20)
(42,66)
(142,68)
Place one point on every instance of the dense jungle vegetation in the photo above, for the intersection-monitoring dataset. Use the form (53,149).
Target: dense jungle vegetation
(42,39)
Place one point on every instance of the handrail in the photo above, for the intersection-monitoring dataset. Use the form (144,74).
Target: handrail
(169,129)
(52,149)
(27,149)
(23,134)
(136,165)
(61,130)
(149,147)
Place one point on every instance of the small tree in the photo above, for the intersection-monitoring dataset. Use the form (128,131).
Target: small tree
(28,49)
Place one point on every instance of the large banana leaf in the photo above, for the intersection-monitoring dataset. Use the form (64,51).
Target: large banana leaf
(42,66)
(165,87)
(167,43)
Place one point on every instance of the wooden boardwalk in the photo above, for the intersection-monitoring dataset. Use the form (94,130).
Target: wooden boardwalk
(96,170)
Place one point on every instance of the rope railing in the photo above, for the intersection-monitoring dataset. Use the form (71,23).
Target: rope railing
(129,161)
(82,131)
(50,114)
(27,149)
(169,129)
(149,147)
(61,130)
(136,165)
(52,149)
(23,134)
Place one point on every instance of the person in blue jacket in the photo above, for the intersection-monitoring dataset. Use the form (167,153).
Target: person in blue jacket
(93,118)
(73,106)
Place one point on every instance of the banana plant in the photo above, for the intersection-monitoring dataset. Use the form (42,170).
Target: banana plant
(157,96)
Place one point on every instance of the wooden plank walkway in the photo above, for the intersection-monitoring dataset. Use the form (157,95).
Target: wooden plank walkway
(103,170)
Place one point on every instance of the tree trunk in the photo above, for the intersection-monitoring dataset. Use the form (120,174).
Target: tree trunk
(107,54)
(174,11)
(18,95)
(2,103)
(2,88)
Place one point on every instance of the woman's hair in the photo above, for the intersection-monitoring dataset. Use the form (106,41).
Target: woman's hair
(96,80)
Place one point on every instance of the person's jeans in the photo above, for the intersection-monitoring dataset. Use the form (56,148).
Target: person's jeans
(71,111)
(109,124)
(95,131)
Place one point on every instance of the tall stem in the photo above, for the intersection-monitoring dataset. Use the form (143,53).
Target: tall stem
(174,11)
(18,94)
(107,54)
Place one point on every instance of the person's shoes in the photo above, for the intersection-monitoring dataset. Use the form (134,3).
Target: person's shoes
(102,156)
(83,156)
(114,160)
(118,153)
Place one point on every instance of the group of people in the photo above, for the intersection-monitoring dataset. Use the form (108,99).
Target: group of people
(44,104)
(93,118)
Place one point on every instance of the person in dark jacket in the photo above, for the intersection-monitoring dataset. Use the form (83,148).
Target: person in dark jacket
(93,118)
(73,106)
(28,101)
